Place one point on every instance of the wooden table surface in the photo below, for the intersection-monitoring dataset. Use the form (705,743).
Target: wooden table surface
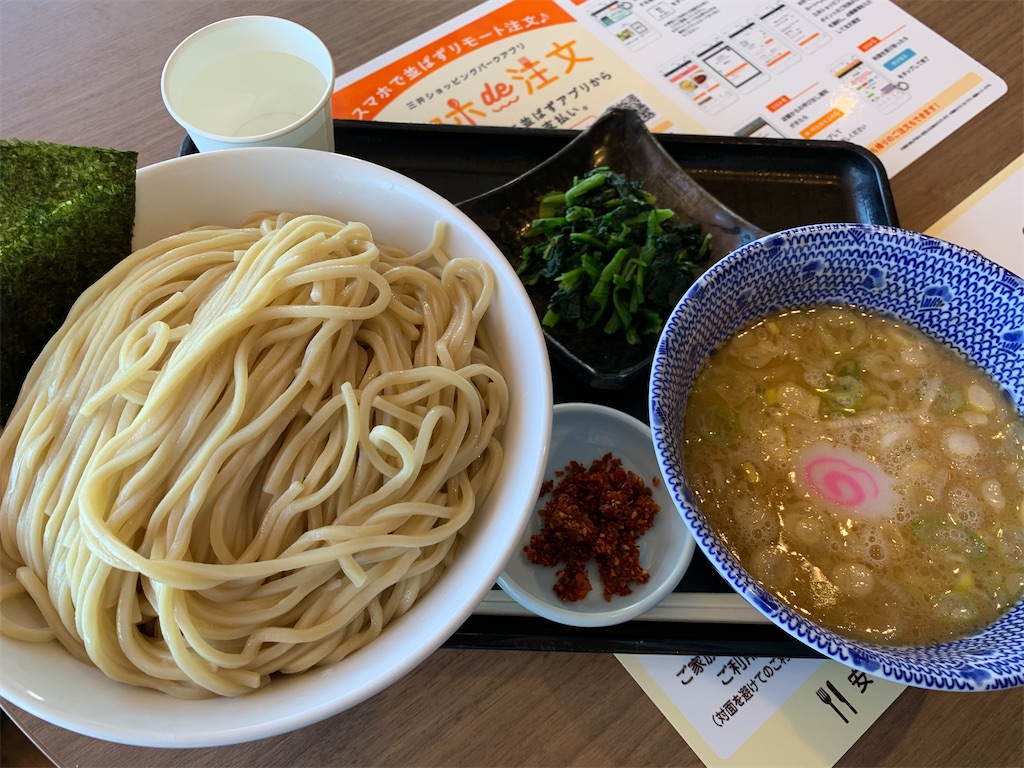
(87,72)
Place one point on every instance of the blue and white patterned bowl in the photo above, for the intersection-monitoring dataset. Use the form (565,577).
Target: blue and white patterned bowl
(954,295)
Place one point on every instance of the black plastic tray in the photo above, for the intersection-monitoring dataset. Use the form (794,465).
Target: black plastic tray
(773,183)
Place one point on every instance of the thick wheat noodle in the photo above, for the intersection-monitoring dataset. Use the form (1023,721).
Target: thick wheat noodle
(248,450)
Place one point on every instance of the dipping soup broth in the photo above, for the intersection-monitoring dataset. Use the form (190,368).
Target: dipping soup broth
(868,476)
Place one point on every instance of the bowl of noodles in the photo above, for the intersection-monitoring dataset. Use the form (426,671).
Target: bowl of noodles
(272,460)
(836,411)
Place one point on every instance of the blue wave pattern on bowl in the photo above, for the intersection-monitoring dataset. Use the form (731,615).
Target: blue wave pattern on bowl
(967,302)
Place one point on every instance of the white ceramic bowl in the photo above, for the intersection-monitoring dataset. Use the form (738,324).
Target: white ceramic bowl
(583,432)
(969,303)
(221,188)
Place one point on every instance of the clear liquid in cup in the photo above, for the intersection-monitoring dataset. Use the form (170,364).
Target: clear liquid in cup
(253,93)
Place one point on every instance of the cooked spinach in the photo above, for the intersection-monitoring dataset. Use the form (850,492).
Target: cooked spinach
(615,260)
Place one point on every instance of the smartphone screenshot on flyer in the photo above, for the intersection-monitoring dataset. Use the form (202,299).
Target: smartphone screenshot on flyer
(854,70)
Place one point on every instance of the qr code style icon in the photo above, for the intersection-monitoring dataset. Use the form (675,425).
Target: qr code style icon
(633,102)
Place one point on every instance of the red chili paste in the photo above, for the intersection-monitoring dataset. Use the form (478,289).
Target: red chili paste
(595,513)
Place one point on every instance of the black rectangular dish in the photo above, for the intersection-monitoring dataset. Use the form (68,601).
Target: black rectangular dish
(773,183)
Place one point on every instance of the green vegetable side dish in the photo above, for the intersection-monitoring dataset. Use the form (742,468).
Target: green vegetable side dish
(66,218)
(615,260)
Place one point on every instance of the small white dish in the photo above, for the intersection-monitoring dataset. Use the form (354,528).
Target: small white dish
(583,432)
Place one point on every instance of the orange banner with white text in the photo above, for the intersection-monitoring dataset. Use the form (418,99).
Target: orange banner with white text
(365,98)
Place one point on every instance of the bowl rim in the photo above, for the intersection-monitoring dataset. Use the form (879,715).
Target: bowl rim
(876,659)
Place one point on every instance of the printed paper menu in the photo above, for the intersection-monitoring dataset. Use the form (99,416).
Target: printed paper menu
(991,221)
(746,711)
(856,70)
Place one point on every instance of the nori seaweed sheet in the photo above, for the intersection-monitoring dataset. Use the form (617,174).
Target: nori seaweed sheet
(66,218)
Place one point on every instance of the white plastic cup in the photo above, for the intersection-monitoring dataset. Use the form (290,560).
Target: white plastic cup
(252,81)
